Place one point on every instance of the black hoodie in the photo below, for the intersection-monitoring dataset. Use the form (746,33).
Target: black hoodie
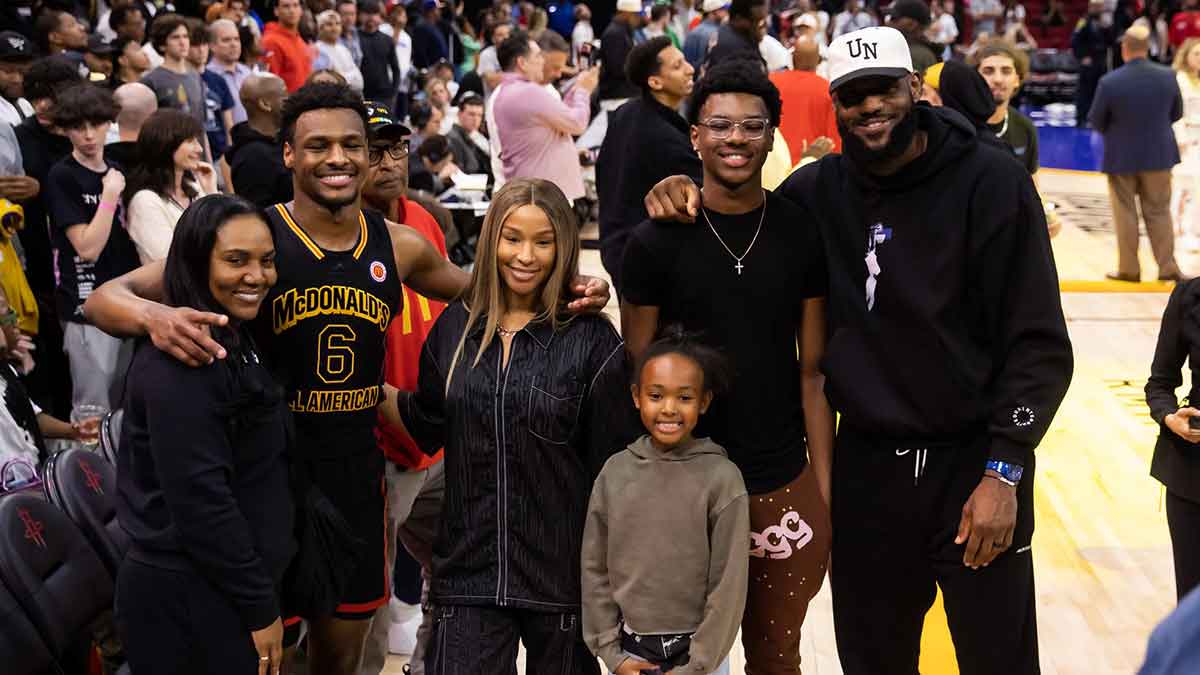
(256,164)
(960,329)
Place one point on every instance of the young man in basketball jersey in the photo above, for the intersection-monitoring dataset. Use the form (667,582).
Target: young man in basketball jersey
(340,273)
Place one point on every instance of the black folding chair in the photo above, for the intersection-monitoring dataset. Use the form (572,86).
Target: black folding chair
(84,486)
(110,435)
(22,651)
(53,573)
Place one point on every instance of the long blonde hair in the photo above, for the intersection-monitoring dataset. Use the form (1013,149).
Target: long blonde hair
(1181,56)
(484,297)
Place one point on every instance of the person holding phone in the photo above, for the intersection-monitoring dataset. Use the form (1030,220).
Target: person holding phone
(202,478)
(1176,461)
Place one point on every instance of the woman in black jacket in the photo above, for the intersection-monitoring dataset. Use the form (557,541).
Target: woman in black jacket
(528,402)
(1176,462)
(202,478)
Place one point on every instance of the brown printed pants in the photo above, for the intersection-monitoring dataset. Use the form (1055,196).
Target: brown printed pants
(790,537)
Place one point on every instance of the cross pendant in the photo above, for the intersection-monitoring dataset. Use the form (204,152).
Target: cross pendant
(738,267)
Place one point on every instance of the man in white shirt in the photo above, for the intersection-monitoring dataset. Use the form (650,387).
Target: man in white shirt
(16,53)
(489,64)
(396,27)
(853,18)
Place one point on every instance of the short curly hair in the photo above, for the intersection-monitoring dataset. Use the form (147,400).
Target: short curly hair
(737,75)
(643,62)
(318,96)
(78,105)
(49,76)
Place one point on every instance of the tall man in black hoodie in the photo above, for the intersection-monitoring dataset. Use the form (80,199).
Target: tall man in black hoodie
(256,158)
(947,359)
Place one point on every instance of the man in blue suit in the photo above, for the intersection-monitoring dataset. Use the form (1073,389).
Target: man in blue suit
(1133,109)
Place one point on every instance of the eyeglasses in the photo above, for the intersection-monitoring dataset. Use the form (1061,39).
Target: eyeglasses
(397,152)
(721,128)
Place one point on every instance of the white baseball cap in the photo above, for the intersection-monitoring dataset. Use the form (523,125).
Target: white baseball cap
(634,6)
(870,51)
(713,5)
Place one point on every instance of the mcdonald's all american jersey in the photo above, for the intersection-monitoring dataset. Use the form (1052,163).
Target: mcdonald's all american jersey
(329,313)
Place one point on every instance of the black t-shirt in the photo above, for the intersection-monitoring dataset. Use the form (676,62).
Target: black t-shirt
(73,192)
(1021,135)
(752,317)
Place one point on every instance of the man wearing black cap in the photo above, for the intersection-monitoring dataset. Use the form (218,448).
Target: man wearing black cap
(947,358)
(911,17)
(16,53)
(416,481)
(98,59)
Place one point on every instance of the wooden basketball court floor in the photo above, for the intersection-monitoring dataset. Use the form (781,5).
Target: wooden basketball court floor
(1101,550)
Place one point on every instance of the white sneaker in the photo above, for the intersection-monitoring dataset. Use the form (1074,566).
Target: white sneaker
(402,634)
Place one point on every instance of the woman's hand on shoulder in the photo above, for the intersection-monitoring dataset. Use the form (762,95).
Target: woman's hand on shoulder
(1178,423)
(184,333)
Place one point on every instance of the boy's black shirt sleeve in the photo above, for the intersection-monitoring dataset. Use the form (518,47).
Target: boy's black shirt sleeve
(65,196)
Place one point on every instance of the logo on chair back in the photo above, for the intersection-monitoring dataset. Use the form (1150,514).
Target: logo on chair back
(91,477)
(33,528)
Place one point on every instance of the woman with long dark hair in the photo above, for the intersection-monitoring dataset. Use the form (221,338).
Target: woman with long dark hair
(170,173)
(203,487)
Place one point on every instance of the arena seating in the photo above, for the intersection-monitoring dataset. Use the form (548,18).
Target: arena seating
(84,486)
(53,575)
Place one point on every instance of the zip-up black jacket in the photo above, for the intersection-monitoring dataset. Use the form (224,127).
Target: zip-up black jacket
(962,330)
(645,143)
(256,163)
(523,445)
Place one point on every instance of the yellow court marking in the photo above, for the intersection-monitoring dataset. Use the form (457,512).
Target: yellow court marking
(1111,286)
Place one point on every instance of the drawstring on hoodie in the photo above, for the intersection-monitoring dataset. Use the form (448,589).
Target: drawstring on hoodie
(919,457)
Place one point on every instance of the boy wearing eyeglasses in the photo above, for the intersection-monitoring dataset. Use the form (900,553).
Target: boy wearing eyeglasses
(750,277)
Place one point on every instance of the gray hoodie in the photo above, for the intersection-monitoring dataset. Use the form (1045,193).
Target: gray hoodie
(666,549)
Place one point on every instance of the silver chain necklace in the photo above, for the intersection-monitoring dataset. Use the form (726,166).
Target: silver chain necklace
(736,258)
(1003,129)
(504,332)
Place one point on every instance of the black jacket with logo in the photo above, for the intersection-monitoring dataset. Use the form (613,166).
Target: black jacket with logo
(944,312)
(523,445)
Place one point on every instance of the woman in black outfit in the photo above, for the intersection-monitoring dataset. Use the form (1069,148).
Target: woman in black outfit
(202,479)
(1176,462)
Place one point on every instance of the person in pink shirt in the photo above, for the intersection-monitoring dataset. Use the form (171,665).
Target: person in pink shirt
(535,129)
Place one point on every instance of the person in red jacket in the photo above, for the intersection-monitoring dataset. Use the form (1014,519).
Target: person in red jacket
(1185,23)
(807,108)
(415,480)
(286,53)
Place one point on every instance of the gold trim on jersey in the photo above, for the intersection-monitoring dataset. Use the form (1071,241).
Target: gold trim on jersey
(335,401)
(312,245)
(362,239)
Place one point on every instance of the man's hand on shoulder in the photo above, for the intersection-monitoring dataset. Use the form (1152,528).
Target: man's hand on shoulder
(674,198)
(184,333)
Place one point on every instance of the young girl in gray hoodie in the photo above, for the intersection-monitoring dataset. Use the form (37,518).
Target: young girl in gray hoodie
(664,564)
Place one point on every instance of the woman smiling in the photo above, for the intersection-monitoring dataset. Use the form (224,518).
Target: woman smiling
(528,403)
(202,479)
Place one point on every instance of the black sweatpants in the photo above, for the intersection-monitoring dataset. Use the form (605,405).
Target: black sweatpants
(469,640)
(896,509)
(177,622)
(1183,521)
